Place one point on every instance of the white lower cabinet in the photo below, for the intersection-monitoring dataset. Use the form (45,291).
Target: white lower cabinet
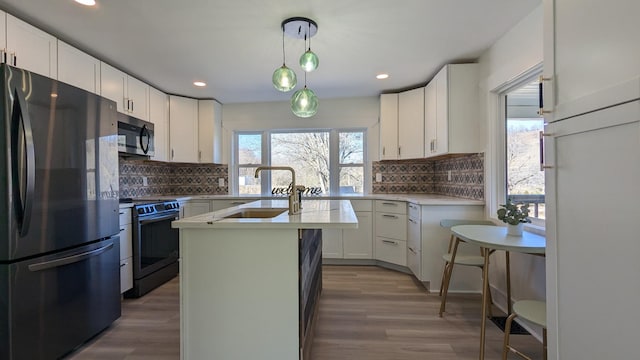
(126,250)
(391,232)
(391,250)
(414,240)
(351,243)
(197,207)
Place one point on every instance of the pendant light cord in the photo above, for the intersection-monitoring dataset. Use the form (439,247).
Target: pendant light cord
(283,55)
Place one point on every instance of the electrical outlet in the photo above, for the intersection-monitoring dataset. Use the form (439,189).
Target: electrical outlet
(378,177)
(449,175)
(144,181)
(221,182)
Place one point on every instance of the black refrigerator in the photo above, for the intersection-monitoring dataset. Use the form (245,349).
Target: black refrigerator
(59,244)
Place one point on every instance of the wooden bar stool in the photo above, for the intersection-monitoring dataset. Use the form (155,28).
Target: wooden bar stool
(451,259)
(533,311)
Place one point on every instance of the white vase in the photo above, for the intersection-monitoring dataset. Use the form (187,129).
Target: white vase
(515,230)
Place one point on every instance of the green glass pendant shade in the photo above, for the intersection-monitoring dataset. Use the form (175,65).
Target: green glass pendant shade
(284,79)
(304,103)
(309,61)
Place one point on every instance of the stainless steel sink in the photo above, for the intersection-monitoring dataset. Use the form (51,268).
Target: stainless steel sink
(256,213)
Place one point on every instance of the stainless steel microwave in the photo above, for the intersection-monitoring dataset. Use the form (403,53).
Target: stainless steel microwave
(135,136)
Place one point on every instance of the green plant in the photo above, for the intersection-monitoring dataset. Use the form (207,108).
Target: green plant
(514,214)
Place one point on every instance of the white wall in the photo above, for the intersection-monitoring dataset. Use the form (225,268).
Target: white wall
(516,53)
(360,112)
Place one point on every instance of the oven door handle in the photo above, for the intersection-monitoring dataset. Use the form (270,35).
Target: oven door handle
(172,216)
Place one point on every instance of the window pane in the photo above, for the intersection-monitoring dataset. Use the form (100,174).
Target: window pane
(249,148)
(307,153)
(351,180)
(247,183)
(525,181)
(351,147)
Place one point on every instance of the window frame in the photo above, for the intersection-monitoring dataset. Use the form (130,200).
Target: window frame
(501,145)
(334,161)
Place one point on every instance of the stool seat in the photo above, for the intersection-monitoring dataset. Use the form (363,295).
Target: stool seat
(532,310)
(466,260)
(469,260)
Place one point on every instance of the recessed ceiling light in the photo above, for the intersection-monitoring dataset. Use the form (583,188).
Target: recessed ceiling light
(382,76)
(199,83)
(86,2)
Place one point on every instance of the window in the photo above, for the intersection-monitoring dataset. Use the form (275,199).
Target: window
(325,161)
(523,126)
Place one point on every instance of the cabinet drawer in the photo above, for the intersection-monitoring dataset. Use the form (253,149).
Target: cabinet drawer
(414,235)
(413,261)
(391,250)
(395,207)
(414,211)
(126,274)
(126,245)
(391,226)
(125,216)
(361,205)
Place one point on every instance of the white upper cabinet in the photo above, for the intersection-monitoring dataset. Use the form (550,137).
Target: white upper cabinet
(78,68)
(29,48)
(388,126)
(591,55)
(183,129)
(411,124)
(159,116)
(209,131)
(451,111)
(129,93)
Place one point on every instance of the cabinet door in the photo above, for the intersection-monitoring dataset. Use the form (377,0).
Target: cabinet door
(112,85)
(591,54)
(159,116)
(78,68)
(441,141)
(209,131)
(411,124)
(183,129)
(31,49)
(137,96)
(3,33)
(195,207)
(430,117)
(358,243)
(126,245)
(592,233)
(414,241)
(391,250)
(332,244)
(388,126)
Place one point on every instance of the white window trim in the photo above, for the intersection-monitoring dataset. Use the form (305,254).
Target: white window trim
(334,165)
(496,189)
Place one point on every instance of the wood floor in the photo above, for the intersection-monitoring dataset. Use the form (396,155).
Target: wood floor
(366,312)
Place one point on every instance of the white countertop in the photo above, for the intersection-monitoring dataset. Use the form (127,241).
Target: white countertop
(317,214)
(419,199)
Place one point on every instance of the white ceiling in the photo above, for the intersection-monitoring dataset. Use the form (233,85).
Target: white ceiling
(235,45)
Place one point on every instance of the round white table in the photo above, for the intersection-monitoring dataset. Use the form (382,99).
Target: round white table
(492,238)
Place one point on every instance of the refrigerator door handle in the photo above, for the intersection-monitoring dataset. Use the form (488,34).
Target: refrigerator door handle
(20,115)
(69,259)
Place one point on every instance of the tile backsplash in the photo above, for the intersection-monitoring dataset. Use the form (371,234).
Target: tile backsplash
(165,178)
(431,176)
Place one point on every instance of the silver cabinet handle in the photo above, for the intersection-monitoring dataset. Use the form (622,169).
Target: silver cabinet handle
(122,229)
(171,154)
(413,251)
(389,203)
(390,242)
(124,264)
(238,202)
(389,216)
(383,150)
(413,221)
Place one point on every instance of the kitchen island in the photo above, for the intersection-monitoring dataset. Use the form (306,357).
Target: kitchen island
(249,285)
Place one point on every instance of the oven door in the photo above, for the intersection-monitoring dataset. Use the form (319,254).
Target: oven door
(155,243)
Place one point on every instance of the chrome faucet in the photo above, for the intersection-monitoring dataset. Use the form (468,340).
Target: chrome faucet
(294,200)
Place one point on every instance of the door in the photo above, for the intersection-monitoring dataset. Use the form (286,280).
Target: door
(57,302)
(63,169)
(592,235)
(591,55)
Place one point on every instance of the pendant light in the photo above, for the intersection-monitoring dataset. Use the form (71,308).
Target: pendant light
(309,60)
(284,79)
(304,102)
